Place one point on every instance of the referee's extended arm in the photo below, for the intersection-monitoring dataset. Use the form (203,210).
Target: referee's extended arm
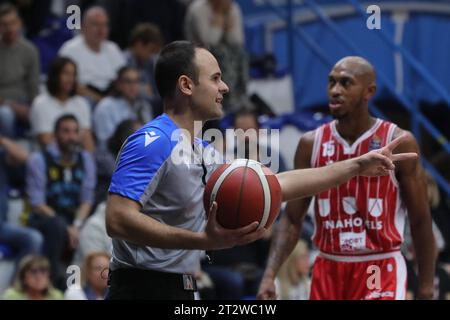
(125,221)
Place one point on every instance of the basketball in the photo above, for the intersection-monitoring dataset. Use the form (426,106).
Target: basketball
(245,191)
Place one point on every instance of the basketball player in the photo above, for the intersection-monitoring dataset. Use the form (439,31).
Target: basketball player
(358,224)
(154,210)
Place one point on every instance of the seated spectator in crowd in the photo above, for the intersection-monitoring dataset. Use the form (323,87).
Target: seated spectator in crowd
(19,69)
(237,272)
(250,144)
(33,281)
(93,236)
(34,14)
(293,281)
(61,99)
(217,24)
(97,58)
(95,278)
(442,277)
(125,15)
(21,240)
(60,186)
(124,104)
(145,43)
(106,157)
(211,21)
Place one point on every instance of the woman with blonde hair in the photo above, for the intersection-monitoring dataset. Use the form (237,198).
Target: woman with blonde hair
(293,281)
(33,281)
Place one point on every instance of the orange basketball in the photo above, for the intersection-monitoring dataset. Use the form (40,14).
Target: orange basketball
(245,191)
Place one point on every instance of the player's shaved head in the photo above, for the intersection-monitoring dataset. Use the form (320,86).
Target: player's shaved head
(359,67)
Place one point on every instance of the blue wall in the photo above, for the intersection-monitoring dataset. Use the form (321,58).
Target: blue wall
(426,36)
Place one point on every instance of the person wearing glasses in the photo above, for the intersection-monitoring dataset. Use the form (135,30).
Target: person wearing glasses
(33,281)
(125,103)
(94,278)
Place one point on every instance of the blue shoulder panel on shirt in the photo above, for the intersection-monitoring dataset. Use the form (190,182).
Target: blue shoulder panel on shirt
(140,159)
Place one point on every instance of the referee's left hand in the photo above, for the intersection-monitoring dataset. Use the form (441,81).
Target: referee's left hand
(217,237)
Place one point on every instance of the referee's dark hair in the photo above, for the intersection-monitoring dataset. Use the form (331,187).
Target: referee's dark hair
(176,59)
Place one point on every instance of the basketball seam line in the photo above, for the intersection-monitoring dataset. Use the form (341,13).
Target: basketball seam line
(240,194)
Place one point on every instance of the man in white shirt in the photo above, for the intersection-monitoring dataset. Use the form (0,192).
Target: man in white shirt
(98,59)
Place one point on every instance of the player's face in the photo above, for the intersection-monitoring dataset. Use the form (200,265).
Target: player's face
(207,95)
(345,92)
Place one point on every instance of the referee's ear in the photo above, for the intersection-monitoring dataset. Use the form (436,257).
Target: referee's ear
(186,85)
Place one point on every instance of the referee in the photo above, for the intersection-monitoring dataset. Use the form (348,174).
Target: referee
(154,210)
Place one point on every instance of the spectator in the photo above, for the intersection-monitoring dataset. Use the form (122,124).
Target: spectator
(61,99)
(168,15)
(124,104)
(293,282)
(60,186)
(217,24)
(22,240)
(33,13)
(145,43)
(19,69)
(33,282)
(251,145)
(442,277)
(95,272)
(440,213)
(93,236)
(211,22)
(236,272)
(97,59)
(106,158)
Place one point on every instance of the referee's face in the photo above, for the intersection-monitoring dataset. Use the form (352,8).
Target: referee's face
(207,95)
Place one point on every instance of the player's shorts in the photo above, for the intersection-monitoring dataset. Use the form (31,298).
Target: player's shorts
(373,277)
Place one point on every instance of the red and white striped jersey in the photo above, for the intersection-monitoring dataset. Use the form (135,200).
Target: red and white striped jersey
(364,215)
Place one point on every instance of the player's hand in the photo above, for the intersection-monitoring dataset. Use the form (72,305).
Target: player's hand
(218,237)
(380,162)
(267,289)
